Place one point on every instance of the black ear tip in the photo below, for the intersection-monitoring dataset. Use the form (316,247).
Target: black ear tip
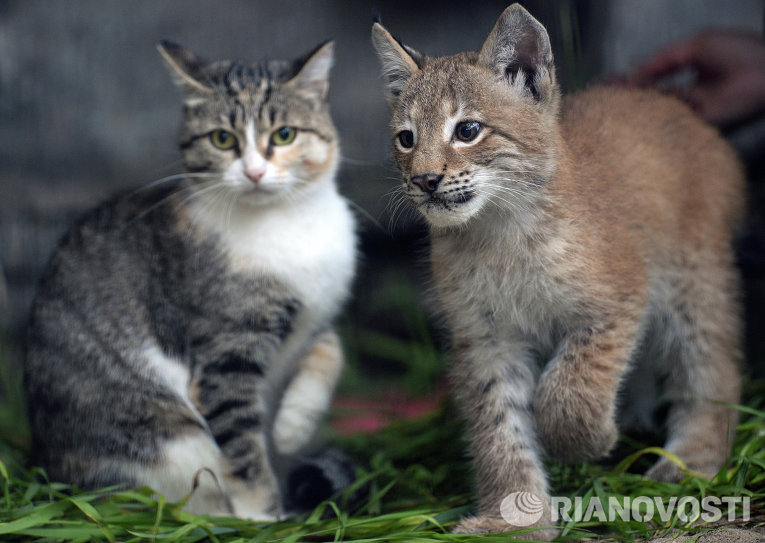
(376,18)
(168,46)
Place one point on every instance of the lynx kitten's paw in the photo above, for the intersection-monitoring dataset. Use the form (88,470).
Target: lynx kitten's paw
(667,471)
(574,427)
(494,525)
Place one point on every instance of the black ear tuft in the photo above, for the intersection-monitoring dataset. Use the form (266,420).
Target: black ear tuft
(519,48)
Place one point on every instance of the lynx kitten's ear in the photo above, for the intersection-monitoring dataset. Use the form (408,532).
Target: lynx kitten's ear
(518,47)
(399,61)
(185,67)
(313,70)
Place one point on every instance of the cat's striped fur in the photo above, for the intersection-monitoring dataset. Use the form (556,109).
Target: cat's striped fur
(593,234)
(179,328)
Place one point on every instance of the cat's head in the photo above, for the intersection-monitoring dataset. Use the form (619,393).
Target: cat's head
(474,131)
(261,131)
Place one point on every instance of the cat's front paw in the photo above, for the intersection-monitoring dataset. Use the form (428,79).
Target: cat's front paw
(483,524)
(303,406)
(256,510)
(574,425)
(293,429)
(259,501)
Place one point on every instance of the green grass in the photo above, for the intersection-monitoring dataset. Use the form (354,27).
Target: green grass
(414,477)
(418,485)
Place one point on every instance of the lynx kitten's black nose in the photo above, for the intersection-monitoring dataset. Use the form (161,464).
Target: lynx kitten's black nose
(427,182)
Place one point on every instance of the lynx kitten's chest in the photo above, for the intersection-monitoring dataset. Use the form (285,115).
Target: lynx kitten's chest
(505,288)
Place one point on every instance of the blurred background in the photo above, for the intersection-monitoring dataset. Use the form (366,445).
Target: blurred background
(87,108)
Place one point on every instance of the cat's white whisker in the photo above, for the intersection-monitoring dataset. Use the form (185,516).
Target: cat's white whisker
(367,215)
(159,203)
(209,196)
(400,203)
(355,162)
(175,177)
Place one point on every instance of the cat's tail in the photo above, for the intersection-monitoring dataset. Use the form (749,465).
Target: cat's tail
(323,475)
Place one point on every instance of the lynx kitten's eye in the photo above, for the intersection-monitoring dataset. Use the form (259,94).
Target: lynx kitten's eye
(406,139)
(222,139)
(284,136)
(467,131)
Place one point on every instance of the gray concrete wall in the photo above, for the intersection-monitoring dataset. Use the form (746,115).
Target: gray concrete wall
(87,108)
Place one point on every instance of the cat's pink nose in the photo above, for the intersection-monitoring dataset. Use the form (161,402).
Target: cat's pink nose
(255,174)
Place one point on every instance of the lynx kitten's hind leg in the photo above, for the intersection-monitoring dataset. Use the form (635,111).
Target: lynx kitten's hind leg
(701,373)
(309,394)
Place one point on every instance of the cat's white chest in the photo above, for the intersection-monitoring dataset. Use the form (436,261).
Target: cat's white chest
(308,245)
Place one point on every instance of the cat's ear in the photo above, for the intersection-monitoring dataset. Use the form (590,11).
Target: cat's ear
(313,70)
(185,67)
(518,48)
(399,61)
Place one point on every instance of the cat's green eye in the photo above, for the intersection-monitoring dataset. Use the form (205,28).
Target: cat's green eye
(406,139)
(284,136)
(467,131)
(222,139)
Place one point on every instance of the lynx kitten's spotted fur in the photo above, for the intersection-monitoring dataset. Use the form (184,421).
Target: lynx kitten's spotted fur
(590,233)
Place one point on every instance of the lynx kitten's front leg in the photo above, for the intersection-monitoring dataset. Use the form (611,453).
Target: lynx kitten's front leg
(575,402)
(495,384)
(309,394)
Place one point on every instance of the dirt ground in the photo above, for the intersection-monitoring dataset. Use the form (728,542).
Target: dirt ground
(725,534)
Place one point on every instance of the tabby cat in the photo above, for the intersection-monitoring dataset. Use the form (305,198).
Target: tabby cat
(573,241)
(182,333)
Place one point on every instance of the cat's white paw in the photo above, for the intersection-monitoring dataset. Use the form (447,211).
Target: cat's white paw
(293,430)
(303,406)
(261,503)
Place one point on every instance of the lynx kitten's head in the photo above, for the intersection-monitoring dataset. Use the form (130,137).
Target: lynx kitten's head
(260,131)
(475,131)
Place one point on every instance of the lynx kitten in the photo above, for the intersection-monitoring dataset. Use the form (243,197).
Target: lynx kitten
(591,234)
